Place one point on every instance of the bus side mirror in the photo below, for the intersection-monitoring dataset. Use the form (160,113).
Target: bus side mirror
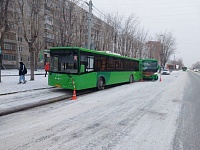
(82,70)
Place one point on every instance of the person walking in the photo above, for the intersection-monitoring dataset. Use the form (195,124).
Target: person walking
(22,72)
(46,68)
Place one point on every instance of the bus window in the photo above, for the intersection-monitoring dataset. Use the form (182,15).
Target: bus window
(54,63)
(136,65)
(66,63)
(84,61)
(111,64)
(103,64)
(90,64)
(88,61)
(126,64)
(150,66)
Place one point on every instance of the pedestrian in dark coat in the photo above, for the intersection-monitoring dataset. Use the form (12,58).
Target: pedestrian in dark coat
(22,72)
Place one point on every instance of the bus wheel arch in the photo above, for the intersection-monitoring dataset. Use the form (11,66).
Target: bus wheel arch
(156,77)
(131,79)
(101,83)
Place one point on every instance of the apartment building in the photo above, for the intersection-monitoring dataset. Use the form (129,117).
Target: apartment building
(62,23)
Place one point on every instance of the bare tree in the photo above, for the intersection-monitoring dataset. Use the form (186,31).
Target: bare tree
(141,37)
(97,34)
(106,33)
(168,45)
(3,20)
(30,13)
(67,22)
(80,24)
(38,45)
(178,62)
(129,32)
(123,33)
(196,65)
(3,25)
(115,22)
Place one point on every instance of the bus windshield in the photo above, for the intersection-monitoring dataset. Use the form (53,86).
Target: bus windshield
(150,66)
(64,61)
(184,68)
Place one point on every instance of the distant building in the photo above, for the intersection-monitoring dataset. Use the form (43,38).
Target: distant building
(171,66)
(154,50)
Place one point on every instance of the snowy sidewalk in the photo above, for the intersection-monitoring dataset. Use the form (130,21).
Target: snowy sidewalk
(10,79)
(16,97)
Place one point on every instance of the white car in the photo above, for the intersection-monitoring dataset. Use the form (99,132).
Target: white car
(165,72)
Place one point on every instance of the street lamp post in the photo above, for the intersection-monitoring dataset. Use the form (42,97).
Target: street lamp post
(161,50)
(89,24)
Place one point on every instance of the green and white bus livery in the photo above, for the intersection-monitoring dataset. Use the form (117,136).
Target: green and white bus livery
(80,68)
(150,69)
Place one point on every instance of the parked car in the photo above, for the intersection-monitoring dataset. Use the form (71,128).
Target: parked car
(165,72)
(196,70)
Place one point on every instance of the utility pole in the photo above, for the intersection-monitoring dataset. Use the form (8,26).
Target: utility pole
(161,50)
(89,24)
(0,61)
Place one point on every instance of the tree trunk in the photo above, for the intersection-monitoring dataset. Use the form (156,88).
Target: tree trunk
(31,61)
(36,60)
(1,48)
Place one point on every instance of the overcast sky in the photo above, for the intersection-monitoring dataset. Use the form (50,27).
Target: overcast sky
(181,17)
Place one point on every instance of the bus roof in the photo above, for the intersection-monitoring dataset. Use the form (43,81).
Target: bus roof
(148,59)
(94,51)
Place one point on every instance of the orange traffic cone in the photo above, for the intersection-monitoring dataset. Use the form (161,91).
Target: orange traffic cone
(74,95)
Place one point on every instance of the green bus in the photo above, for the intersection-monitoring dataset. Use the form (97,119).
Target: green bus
(150,69)
(184,68)
(80,68)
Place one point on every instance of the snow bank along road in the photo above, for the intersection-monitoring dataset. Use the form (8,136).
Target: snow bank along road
(142,115)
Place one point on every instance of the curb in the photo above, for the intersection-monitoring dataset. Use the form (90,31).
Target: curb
(32,105)
(5,75)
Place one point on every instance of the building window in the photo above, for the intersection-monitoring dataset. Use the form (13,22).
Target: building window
(10,46)
(7,46)
(20,39)
(9,57)
(48,26)
(49,20)
(10,36)
(11,25)
(20,48)
(19,29)
(50,36)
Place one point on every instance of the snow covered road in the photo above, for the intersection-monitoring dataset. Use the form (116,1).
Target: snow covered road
(142,115)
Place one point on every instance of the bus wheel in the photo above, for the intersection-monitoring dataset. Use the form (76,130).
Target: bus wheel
(131,79)
(156,78)
(100,84)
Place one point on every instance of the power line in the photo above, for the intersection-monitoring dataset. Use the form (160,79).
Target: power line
(172,15)
(132,3)
(188,43)
(107,17)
